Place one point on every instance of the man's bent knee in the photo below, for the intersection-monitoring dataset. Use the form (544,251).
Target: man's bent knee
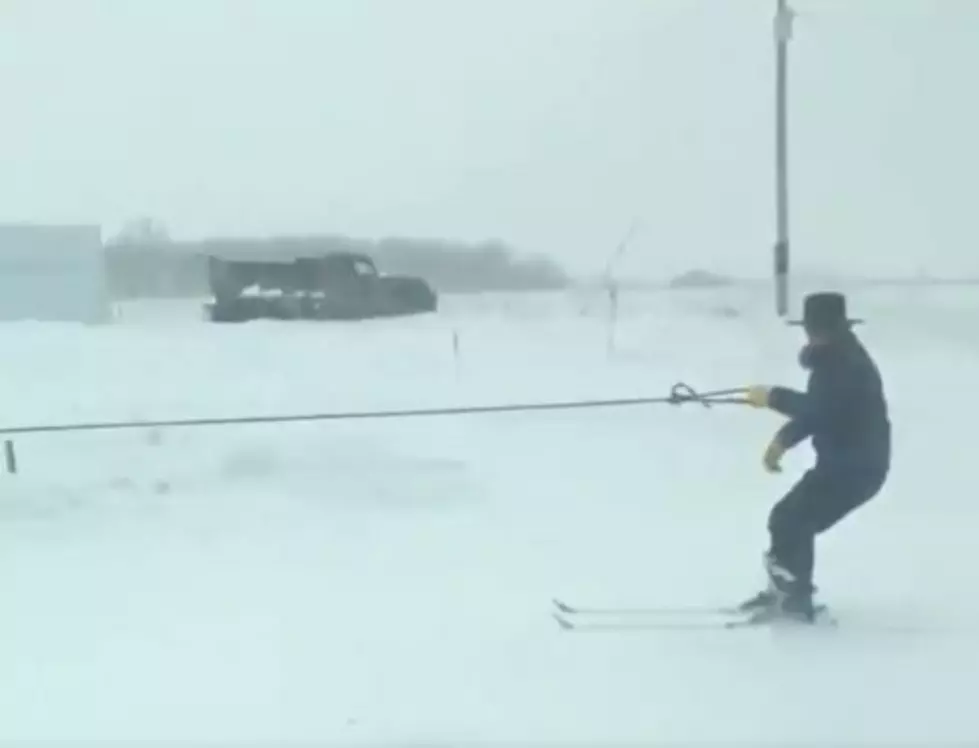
(788,520)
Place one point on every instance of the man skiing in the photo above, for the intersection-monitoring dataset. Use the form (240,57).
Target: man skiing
(845,412)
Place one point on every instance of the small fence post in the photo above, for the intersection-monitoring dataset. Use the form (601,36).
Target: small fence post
(456,351)
(613,318)
(9,456)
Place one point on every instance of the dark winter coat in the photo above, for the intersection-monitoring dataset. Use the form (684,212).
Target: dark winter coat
(844,410)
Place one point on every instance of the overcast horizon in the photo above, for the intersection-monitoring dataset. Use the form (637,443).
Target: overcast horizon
(550,124)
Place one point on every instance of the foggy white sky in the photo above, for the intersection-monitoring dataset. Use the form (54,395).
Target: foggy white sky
(547,123)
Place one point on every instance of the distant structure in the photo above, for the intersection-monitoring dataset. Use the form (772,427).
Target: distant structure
(145,262)
(333,286)
(53,274)
(699,279)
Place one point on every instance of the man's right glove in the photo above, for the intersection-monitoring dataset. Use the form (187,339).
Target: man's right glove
(773,456)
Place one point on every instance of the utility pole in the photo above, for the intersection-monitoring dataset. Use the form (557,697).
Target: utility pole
(783,34)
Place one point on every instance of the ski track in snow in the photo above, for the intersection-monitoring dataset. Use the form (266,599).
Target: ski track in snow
(391,580)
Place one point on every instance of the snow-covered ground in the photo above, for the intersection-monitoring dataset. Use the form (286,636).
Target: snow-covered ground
(390,581)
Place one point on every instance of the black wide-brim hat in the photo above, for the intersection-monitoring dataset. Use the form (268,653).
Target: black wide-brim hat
(825,311)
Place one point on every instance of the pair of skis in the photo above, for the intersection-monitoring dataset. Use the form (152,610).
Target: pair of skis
(574,618)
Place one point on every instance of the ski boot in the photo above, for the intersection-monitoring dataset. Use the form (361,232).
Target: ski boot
(793,596)
(785,598)
(764,600)
(798,606)
(768,599)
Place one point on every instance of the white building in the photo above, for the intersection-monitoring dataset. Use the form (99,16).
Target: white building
(53,273)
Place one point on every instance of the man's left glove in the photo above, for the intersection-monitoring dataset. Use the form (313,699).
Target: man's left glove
(773,456)
(757,396)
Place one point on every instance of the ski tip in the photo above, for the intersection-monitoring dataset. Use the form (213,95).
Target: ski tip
(562,606)
(564,624)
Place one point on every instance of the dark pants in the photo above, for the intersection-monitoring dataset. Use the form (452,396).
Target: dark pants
(817,502)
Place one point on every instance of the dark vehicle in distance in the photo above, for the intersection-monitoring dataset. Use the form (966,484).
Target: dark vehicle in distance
(333,286)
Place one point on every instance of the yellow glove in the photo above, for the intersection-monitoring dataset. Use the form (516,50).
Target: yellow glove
(773,456)
(757,396)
